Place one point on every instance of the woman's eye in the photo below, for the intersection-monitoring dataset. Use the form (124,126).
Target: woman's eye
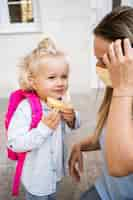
(100,63)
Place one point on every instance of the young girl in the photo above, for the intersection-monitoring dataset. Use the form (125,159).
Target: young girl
(113,39)
(45,71)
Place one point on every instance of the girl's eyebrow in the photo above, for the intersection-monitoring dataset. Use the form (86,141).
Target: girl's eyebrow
(51,73)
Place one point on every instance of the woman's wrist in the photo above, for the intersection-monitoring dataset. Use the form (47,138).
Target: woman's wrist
(123,92)
(85,146)
(79,145)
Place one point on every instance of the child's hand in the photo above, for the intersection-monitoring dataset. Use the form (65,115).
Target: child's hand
(52,119)
(68,115)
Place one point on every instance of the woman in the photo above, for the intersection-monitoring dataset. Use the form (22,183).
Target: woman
(113,39)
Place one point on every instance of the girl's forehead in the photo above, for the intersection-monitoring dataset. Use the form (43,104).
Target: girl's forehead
(54,64)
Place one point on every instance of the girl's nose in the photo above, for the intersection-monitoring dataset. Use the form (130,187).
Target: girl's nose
(60,82)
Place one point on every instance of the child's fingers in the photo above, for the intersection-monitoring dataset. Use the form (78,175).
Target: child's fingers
(68,110)
(68,119)
(54,123)
(52,120)
(52,115)
(68,116)
(68,113)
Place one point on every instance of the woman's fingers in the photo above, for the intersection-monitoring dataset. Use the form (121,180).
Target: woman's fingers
(115,54)
(76,174)
(119,51)
(119,61)
(111,53)
(71,162)
(75,163)
(127,48)
(81,163)
(74,171)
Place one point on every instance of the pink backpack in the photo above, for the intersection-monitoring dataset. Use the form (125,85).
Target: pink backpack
(15,98)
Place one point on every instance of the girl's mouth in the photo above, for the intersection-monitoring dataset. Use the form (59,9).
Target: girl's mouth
(60,91)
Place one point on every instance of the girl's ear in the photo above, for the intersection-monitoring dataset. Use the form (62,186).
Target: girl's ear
(32,82)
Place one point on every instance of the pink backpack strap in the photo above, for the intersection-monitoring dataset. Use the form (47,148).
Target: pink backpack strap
(36,117)
(36,108)
(18,173)
(15,98)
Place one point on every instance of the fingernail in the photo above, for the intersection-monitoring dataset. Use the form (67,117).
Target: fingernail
(111,45)
(127,40)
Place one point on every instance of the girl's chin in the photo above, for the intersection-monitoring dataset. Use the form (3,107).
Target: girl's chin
(58,96)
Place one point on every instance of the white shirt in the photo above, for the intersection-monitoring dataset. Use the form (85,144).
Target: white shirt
(44,164)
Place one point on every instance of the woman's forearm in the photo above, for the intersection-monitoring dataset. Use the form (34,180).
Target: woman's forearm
(119,136)
(88,144)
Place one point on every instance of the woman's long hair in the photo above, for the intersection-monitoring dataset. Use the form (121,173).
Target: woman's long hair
(118,24)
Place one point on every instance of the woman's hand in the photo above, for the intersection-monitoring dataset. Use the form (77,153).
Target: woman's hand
(76,162)
(120,63)
(52,119)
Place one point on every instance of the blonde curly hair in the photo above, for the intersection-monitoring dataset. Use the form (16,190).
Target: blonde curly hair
(30,65)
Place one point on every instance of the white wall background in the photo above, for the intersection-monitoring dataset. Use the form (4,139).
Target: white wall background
(71,23)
